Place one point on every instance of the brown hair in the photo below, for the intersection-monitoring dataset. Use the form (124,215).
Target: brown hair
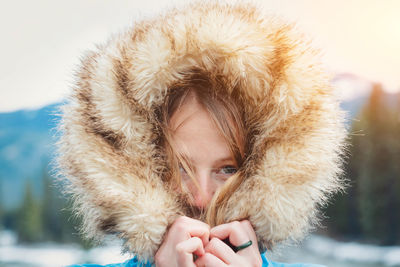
(225,114)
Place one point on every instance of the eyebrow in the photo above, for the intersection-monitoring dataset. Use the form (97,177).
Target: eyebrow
(226,159)
(217,162)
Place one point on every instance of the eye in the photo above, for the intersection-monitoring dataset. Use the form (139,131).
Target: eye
(225,172)
(228,170)
(183,172)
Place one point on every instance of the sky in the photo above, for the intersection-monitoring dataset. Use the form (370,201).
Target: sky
(43,40)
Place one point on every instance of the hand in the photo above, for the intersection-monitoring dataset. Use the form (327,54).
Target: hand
(185,237)
(217,253)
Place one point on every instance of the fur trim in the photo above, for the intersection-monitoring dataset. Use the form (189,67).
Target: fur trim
(108,148)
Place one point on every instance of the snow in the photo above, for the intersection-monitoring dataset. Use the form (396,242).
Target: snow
(46,256)
(7,238)
(392,257)
(353,252)
(49,255)
(315,249)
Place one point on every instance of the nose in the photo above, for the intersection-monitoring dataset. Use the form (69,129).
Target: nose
(202,195)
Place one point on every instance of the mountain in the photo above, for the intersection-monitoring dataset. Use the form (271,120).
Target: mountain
(354,91)
(26,146)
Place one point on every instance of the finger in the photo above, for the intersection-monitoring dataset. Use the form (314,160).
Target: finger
(192,245)
(249,229)
(221,250)
(209,260)
(192,228)
(186,248)
(251,253)
(234,231)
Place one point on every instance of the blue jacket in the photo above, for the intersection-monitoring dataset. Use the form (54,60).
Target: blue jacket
(135,263)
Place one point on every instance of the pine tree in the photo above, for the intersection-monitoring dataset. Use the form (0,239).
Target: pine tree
(343,214)
(378,177)
(29,224)
(371,208)
(59,223)
(51,210)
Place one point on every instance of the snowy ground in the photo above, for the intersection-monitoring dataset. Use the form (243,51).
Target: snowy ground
(315,249)
(325,251)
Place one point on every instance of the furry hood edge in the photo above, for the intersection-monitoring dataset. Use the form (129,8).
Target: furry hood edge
(108,151)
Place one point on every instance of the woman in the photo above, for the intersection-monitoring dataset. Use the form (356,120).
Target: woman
(202,137)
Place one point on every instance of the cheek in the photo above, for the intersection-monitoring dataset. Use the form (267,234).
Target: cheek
(217,184)
(209,187)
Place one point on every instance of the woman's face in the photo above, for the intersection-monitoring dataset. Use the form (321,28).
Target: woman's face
(199,141)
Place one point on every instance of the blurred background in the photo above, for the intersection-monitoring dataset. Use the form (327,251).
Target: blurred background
(41,43)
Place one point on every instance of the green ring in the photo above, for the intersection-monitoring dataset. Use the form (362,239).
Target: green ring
(245,245)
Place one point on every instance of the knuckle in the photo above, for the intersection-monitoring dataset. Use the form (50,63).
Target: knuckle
(179,248)
(212,244)
(245,222)
(181,224)
(197,240)
(236,225)
(214,240)
(207,257)
(181,219)
(180,227)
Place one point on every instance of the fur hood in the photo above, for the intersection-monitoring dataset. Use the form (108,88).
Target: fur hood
(108,149)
